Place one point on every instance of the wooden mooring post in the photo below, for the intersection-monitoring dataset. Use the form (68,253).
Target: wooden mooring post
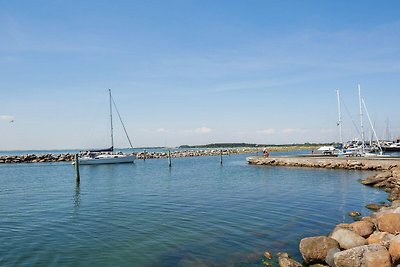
(169,158)
(221,155)
(78,177)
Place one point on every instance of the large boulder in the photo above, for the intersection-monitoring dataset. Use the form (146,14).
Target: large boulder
(363,228)
(363,256)
(377,256)
(315,249)
(381,238)
(390,223)
(394,249)
(347,239)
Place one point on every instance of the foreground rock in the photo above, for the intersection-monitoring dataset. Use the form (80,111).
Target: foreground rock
(380,238)
(363,228)
(394,249)
(389,223)
(368,256)
(315,249)
(347,239)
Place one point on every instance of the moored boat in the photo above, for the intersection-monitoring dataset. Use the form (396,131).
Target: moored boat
(107,156)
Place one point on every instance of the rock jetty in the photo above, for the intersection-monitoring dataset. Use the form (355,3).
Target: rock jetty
(50,157)
(33,158)
(353,163)
(370,242)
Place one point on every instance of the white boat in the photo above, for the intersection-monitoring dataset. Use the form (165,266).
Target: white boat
(103,158)
(327,150)
(107,156)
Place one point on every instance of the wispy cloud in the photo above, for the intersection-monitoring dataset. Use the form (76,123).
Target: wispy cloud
(267,131)
(201,130)
(6,117)
(163,130)
(293,130)
(327,130)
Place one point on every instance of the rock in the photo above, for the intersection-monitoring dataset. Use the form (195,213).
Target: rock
(330,255)
(394,249)
(385,174)
(394,194)
(373,207)
(363,256)
(285,261)
(390,223)
(372,180)
(363,228)
(379,257)
(315,249)
(396,202)
(381,238)
(268,255)
(354,213)
(344,225)
(347,239)
(369,219)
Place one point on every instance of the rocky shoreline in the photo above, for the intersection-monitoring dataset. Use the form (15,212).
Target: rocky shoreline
(372,241)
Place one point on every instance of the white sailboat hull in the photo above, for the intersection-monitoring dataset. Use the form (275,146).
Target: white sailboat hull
(106,159)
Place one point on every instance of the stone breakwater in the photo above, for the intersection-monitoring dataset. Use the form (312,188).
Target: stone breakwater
(32,158)
(372,241)
(191,153)
(355,163)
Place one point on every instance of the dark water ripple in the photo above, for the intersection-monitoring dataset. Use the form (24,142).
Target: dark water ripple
(196,214)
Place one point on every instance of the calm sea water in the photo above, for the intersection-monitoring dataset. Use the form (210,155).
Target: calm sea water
(198,213)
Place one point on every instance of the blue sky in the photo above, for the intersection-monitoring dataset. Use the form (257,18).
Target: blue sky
(194,72)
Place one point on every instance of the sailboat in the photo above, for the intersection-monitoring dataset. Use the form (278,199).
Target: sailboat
(358,147)
(108,155)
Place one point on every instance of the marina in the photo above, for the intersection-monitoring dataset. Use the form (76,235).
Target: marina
(260,134)
(144,214)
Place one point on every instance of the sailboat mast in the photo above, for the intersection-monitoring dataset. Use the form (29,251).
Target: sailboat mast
(111,121)
(340,117)
(373,128)
(361,119)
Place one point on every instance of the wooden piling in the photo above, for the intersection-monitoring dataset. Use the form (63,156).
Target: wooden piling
(78,178)
(169,158)
(221,155)
(144,155)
